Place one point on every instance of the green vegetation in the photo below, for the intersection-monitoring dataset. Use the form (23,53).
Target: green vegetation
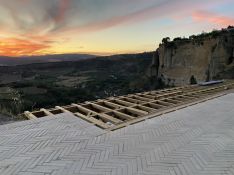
(198,39)
(10,101)
(49,84)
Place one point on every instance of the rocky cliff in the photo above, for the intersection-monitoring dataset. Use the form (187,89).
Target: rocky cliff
(204,57)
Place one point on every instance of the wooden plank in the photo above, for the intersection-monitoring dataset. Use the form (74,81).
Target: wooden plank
(144,99)
(93,120)
(176,99)
(110,118)
(113,104)
(163,103)
(29,115)
(156,106)
(62,109)
(89,119)
(144,108)
(103,116)
(130,100)
(101,103)
(125,103)
(149,96)
(133,100)
(192,97)
(102,108)
(137,111)
(169,94)
(173,101)
(121,115)
(85,110)
(48,113)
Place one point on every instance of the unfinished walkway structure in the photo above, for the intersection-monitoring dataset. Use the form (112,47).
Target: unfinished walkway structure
(117,112)
(178,131)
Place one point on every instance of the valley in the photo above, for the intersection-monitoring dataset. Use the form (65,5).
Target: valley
(33,86)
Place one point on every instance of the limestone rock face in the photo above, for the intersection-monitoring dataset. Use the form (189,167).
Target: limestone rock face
(205,58)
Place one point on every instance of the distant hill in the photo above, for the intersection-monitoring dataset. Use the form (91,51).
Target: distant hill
(17,61)
(13,61)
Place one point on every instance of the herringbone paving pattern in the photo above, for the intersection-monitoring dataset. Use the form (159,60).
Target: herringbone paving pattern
(195,140)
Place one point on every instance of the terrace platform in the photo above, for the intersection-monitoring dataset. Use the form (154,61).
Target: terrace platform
(196,140)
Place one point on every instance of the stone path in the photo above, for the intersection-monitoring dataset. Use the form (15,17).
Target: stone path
(194,140)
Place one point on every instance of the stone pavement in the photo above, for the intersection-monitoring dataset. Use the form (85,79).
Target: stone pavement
(194,140)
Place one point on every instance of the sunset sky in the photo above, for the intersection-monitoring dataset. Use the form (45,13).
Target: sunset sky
(38,27)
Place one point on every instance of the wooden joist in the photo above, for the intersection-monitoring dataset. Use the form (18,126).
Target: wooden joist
(122,102)
(101,108)
(62,109)
(116,106)
(144,108)
(29,115)
(48,113)
(120,115)
(93,120)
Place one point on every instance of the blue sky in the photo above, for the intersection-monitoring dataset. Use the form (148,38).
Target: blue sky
(34,27)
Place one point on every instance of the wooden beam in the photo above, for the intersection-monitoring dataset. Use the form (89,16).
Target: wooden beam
(29,115)
(110,118)
(117,106)
(149,96)
(99,107)
(173,101)
(48,113)
(122,102)
(169,94)
(155,106)
(101,103)
(121,115)
(103,116)
(132,100)
(87,118)
(93,120)
(137,111)
(62,109)
(162,103)
(144,99)
(144,108)
(85,110)
(188,96)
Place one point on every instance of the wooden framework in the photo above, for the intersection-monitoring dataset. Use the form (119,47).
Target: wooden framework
(116,112)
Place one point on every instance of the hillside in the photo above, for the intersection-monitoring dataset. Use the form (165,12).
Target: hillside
(13,61)
(33,86)
(205,57)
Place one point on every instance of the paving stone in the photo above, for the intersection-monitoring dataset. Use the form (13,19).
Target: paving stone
(195,140)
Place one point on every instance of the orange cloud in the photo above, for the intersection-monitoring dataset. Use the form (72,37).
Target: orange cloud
(213,18)
(20,47)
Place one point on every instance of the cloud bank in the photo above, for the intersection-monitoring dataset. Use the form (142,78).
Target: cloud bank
(32,26)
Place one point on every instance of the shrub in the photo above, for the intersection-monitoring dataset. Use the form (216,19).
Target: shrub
(193,80)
